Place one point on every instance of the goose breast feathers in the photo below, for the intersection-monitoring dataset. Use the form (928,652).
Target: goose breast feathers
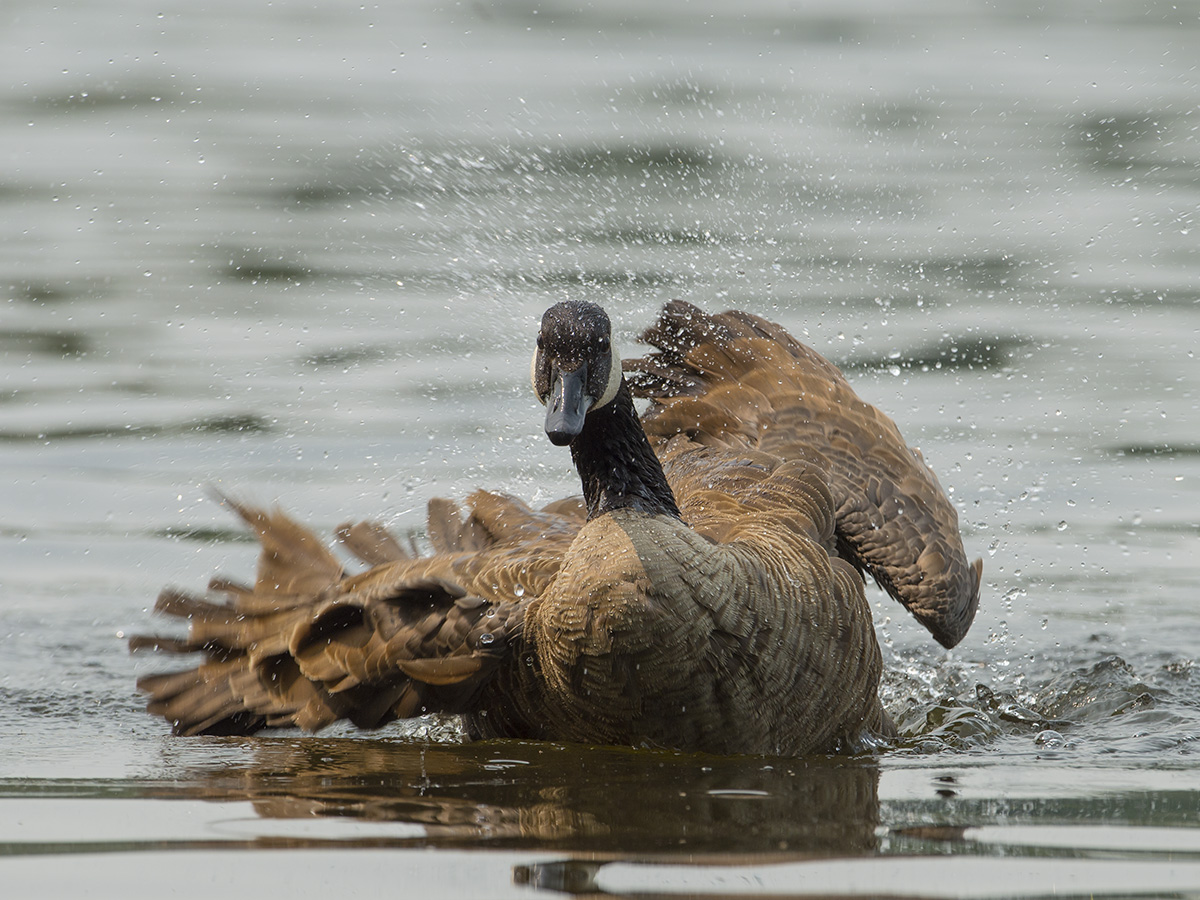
(739,635)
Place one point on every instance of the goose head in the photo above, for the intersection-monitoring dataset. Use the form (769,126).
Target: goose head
(575,370)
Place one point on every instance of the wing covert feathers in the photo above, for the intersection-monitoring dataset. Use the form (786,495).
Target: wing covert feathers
(738,381)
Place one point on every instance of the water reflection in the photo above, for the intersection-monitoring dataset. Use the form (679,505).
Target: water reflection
(557,796)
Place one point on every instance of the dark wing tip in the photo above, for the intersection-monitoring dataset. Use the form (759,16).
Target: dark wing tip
(950,622)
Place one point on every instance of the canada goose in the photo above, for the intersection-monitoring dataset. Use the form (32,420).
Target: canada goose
(701,596)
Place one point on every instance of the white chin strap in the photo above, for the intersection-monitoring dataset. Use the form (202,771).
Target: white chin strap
(614,380)
(533,378)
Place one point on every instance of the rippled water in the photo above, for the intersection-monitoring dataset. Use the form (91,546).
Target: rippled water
(297,251)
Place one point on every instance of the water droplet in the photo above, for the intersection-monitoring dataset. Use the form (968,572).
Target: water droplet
(1062,526)
(1049,738)
(485,639)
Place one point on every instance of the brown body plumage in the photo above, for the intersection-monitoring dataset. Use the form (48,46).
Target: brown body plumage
(703,595)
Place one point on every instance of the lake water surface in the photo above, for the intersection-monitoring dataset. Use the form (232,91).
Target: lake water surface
(298,250)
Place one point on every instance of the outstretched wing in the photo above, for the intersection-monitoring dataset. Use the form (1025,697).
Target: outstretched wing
(309,644)
(736,380)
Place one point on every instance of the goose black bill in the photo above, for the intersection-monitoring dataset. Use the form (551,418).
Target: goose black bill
(567,405)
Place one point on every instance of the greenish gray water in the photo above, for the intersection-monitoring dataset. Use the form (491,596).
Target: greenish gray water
(297,251)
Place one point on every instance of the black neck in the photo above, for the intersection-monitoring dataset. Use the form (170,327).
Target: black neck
(616,465)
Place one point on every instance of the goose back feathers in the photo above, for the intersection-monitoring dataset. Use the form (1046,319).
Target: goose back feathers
(705,594)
